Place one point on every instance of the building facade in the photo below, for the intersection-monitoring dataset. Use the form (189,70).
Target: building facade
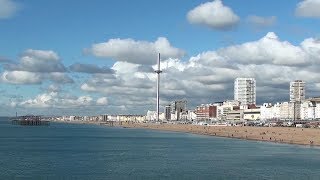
(206,112)
(297,91)
(252,114)
(245,90)
(178,108)
(167,112)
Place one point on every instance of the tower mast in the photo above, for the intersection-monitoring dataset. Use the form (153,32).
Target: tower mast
(158,71)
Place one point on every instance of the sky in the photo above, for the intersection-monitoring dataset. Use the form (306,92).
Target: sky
(98,57)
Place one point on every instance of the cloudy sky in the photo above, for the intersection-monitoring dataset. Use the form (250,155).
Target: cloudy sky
(94,57)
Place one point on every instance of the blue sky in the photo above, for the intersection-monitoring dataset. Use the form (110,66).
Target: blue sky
(195,47)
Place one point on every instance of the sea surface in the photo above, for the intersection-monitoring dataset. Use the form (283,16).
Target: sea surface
(79,151)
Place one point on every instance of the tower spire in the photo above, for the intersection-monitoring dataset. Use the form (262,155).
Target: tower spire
(158,71)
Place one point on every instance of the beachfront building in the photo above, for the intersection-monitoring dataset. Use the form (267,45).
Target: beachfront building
(112,117)
(104,117)
(317,111)
(206,112)
(316,106)
(131,118)
(151,115)
(297,96)
(286,111)
(297,91)
(266,111)
(307,110)
(245,90)
(69,118)
(225,107)
(167,112)
(179,109)
(276,111)
(235,115)
(191,115)
(251,114)
(271,112)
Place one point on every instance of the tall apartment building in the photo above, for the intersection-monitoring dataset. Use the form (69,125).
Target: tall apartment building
(178,108)
(297,95)
(167,112)
(297,91)
(245,90)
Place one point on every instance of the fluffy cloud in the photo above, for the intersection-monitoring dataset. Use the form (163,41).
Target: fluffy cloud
(261,22)
(25,77)
(139,52)
(214,15)
(20,77)
(7,8)
(38,61)
(308,8)
(90,68)
(267,50)
(102,101)
(58,100)
(34,67)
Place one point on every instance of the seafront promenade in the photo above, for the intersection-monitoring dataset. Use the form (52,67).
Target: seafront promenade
(288,135)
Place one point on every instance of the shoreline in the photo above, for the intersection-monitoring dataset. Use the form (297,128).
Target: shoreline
(283,135)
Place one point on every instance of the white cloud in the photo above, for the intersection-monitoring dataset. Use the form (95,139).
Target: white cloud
(267,50)
(102,101)
(308,8)
(38,61)
(57,100)
(25,77)
(7,8)
(214,15)
(139,52)
(259,21)
(34,67)
(21,77)
(41,101)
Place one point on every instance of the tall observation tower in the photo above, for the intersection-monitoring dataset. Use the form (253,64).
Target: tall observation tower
(158,71)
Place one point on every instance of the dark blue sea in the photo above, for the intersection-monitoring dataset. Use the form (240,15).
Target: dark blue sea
(78,151)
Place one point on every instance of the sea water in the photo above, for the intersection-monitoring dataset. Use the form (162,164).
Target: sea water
(80,151)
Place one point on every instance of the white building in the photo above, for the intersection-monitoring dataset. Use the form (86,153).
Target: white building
(151,115)
(307,110)
(224,108)
(297,91)
(191,115)
(273,112)
(266,111)
(252,114)
(286,110)
(245,90)
(317,111)
(276,111)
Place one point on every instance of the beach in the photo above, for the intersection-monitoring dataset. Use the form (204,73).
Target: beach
(288,135)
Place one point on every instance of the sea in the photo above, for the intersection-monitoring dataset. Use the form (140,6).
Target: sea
(82,151)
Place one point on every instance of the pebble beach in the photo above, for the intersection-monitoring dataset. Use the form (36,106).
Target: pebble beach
(288,135)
